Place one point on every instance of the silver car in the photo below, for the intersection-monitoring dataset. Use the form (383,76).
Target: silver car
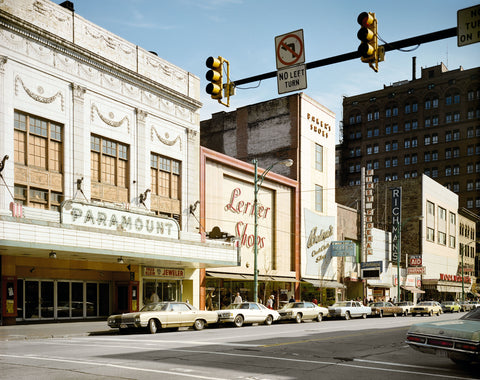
(299,311)
(247,312)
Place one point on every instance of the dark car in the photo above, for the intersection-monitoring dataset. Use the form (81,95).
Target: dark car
(458,340)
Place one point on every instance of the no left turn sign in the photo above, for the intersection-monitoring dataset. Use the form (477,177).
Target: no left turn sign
(289,49)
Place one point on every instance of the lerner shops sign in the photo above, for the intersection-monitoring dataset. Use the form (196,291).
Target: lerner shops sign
(113,219)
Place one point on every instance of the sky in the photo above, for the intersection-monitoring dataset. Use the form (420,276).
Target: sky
(187,32)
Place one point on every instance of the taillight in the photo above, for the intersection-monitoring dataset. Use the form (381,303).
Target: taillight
(441,343)
(467,347)
(415,339)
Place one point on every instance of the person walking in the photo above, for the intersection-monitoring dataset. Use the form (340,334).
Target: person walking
(270,301)
(238,298)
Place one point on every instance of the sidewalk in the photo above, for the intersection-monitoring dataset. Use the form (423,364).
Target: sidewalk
(54,330)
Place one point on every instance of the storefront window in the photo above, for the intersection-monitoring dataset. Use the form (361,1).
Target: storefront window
(161,290)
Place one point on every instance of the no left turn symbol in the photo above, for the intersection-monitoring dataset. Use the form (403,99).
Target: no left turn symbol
(289,49)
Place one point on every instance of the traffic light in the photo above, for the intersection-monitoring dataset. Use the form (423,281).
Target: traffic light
(216,76)
(369,50)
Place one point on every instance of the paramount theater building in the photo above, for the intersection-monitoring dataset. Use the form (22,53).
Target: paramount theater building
(99,149)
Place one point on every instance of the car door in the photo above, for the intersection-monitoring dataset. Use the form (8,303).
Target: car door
(257,314)
(248,315)
(309,310)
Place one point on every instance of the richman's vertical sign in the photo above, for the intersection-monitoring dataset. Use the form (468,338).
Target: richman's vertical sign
(369,211)
(396,221)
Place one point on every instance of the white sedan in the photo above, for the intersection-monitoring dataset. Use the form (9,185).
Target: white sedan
(247,312)
(299,311)
(349,309)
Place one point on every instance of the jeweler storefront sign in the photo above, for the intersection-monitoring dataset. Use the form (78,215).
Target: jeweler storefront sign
(115,219)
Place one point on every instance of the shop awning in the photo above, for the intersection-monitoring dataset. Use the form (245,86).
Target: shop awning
(379,285)
(229,276)
(413,289)
(324,283)
(283,279)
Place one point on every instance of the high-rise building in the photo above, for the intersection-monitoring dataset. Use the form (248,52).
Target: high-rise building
(428,125)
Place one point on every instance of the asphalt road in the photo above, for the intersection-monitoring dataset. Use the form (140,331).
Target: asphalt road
(332,349)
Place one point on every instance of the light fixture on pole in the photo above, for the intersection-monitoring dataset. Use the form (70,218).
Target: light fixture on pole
(120,260)
(258,180)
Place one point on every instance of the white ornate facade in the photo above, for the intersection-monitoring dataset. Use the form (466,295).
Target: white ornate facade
(66,85)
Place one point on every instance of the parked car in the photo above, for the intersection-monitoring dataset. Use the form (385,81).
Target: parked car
(427,307)
(381,309)
(158,315)
(459,339)
(247,312)
(349,309)
(300,311)
(406,306)
(451,306)
(467,306)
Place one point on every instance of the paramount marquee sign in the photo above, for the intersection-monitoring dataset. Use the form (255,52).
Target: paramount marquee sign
(114,219)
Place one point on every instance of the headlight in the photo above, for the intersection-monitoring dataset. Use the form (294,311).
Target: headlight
(137,318)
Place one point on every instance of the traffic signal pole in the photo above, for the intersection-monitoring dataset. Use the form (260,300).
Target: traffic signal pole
(418,40)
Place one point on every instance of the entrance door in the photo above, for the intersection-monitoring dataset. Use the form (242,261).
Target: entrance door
(122,298)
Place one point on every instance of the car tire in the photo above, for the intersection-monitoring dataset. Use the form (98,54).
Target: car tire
(199,324)
(268,320)
(298,318)
(414,315)
(380,314)
(364,316)
(347,315)
(319,317)
(430,313)
(152,326)
(394,314)
(238,321)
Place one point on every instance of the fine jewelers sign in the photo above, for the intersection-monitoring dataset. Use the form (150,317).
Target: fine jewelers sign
(115,219)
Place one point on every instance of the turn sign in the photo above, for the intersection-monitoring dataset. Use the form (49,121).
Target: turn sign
(289,49)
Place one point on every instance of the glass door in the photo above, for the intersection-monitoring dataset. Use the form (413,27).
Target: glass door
(32,299)
(46,300)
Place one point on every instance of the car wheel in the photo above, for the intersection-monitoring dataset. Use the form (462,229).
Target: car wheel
(430,313)
(152,326)
(414,315)
(394,314)
(319,317)
(380,315)
(438,313)
(199,324)
(347,315)
(298,318)
(364,316)
(269,320)
(238,321)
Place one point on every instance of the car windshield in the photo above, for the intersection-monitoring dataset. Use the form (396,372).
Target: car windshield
(426,304)
(156,306)
(292,305)
(236,306)
(377,304)
(473,315)
(341,304)
(403,304)
(448,303)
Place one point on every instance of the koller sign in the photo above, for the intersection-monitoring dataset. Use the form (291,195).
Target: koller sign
(369,211)
(115,219)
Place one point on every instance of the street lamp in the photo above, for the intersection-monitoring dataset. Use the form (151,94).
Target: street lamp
(420,217)
(258,180)
(462,252)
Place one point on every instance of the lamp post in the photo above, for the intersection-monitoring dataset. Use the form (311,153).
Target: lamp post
(462,253)
(399,253)
(258,180)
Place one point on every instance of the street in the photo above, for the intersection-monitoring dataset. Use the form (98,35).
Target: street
(362,349)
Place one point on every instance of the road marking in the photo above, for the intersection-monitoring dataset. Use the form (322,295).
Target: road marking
(93,363)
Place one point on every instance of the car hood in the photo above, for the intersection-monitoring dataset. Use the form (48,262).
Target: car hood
(463,329)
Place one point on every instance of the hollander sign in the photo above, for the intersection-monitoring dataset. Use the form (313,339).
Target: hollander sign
(113,219)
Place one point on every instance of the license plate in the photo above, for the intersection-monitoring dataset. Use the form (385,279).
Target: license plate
(123,326)
(441,353)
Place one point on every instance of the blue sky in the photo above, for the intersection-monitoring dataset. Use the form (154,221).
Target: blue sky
(186,32)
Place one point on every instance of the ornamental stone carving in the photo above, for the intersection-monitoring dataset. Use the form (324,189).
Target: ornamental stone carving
(38,95)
